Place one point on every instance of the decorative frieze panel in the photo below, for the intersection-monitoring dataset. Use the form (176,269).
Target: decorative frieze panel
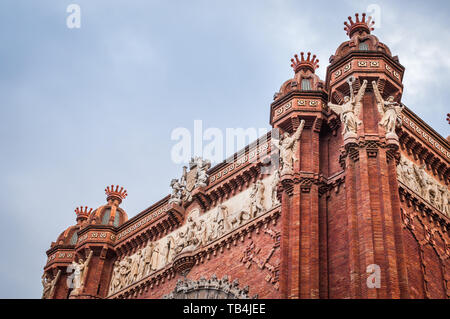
(63,256)
(143,221)
(199,231)
(423,134)
(419,181)
(365,64)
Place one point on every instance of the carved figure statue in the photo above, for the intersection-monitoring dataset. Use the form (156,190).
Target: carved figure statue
(389,109)
(49,285)
(287,147)
(115,279)
(349,110)
(125,268)
(421,179)
(177,191)
(202,168)
(147,253)
(156,256)
(416,178)
(257,199)
(274,186)
(169,252)
(134,272)
(80,271)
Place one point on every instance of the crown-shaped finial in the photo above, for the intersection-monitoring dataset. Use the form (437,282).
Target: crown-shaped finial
(116,193)
(83,212)
(363,24)
(308,63)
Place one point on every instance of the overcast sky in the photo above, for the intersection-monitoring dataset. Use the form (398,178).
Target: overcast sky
(85,108)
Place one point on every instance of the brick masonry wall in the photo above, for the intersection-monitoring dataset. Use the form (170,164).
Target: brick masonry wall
(427,263)
(229,263)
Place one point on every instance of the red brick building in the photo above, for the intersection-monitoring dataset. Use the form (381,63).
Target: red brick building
(350,202)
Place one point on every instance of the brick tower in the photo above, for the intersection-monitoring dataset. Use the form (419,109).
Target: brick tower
(356,204)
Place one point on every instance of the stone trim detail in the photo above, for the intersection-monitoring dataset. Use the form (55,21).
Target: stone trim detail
(212,288)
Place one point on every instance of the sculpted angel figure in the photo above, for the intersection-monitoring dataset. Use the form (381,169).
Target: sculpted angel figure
(287,149)
(389,109)
(80,271)
(349,110)
(49,285)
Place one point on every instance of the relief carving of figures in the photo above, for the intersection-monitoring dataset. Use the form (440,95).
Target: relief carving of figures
(49,285)
(416,178)
(199,230)
(169,250)
(125,268)
(147,253)
(134,271)
(287,146)
(421,180)
(202,233)
(405,173)
(274,188)
(257,199)
(219,222)
(156,258)
(445,198)
(115,279)
(389,109)
(79,275)
(349,110)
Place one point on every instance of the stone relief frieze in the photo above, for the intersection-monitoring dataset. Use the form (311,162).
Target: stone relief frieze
(418,180)
(213,288)
(198,231)
(196,177)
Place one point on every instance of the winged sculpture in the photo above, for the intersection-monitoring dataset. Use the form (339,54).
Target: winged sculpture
(389,109)
(350,109)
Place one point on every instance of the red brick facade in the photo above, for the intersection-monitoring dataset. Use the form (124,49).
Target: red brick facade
(343,208)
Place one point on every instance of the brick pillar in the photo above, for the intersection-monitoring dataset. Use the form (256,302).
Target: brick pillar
(300,220)
(372,205)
